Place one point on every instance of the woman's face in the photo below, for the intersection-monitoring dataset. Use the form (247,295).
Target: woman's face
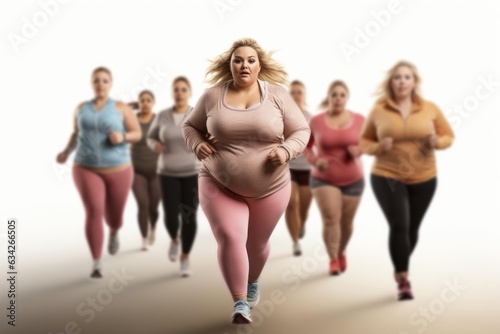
(101,84)
(298,93)
(402,82)
(245,66)
(181,93)
(146,103)
(337,99)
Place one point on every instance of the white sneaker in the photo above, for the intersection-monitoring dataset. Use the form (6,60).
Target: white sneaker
(297,251)
(145,244)
(173,252)
(185,268)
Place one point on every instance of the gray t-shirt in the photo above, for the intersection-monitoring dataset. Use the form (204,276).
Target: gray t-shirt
(301,162)
(178,160)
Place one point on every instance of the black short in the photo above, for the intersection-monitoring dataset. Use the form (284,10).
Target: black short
(300,176)
(353,189)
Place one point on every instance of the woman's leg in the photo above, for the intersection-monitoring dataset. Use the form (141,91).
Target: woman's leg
(189,210)
(117,189)
(141,194)
(292,213)
(171,199)
(349,207)
(420,196)
(228,217)
(92,192)
(305,199)
(154,199)
(264,216)
(392,197)
(329,201)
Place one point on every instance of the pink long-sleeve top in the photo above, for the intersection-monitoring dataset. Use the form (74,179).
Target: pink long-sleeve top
(244,137)
(331,144)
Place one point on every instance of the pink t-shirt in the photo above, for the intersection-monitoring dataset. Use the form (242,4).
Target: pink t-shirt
(331,144)
(244,137)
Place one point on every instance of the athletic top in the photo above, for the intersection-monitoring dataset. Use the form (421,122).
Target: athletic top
(93,146)
(178,160)
(144,158)
(410,160)
(331,144)
(301,162)
(244,137)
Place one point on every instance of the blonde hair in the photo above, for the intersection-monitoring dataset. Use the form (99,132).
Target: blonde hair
(102,69)
(332,86)
(219,71)
(385,92)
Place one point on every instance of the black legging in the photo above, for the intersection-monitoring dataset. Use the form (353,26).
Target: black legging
(146,189)
(404,207)
(180,196)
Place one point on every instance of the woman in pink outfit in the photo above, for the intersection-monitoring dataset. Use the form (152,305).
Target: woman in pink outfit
(245,129)
(337,174)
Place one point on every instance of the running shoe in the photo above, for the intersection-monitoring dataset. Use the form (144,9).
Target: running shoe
(404,290)
(253,294)
(343,262)
(241,313)
(335,267)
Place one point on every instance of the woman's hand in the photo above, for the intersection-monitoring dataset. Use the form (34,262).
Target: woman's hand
(277,156)
(62,157)
(432,141)
(204,149)
(160,148)
(354,151)
(116,137)
(321,164)
(386,144)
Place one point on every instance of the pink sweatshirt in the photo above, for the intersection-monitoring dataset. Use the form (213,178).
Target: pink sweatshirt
(331,144)
(244,137)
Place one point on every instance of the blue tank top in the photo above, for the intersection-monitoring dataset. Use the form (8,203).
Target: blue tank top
(94,148)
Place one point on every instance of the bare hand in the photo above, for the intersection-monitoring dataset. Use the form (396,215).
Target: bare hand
(116,137)
(321,164)
(160,148)
(277,156)
(386,144)
(432,140)
(354,151)
(204,149)
(62,157)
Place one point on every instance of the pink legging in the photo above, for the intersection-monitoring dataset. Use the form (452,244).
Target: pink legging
(242,227)
(103,196)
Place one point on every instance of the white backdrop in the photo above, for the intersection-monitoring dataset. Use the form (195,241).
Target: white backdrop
(47,60)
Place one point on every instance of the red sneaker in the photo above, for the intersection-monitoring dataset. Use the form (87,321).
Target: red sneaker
(404,290)
(335,267)
(343,262)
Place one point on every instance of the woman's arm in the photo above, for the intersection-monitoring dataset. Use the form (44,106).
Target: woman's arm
(444,133)
(194,128)
(296,130)
(309,153)
(73,138)
(133,131)
(153,135)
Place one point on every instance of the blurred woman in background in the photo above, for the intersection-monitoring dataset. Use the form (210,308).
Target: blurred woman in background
(301,196)
(402,131)
(102,170)
(337,180)
(146,187)
(178,171)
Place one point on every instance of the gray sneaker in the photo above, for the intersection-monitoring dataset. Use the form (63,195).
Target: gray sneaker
(113,244)
(253,294)
(241,313)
